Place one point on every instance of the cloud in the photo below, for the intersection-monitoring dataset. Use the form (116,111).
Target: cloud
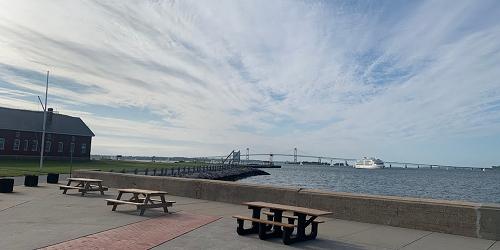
(201,78)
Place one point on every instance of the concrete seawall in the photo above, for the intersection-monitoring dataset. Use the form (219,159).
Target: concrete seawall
(453,217)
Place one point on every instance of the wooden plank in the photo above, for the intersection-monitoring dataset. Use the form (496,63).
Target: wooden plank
(302,210)
(292,217)
(283,215)
(120,202)
(84,179)
(156,200)
(141,191)
(267,222)
(61,187)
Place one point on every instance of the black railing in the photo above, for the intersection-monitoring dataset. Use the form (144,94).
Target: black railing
(174,171)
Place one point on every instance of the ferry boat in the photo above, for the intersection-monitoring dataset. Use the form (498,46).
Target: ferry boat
(369,163)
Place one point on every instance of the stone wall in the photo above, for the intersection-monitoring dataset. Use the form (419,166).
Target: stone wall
(453,217)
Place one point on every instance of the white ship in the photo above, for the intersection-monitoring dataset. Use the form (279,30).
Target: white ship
(369,163)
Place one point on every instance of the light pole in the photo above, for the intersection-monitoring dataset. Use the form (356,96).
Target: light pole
(42,147)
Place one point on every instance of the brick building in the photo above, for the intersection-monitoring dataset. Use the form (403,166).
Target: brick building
(21,135)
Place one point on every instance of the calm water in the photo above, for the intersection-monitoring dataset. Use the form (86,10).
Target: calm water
(468,185)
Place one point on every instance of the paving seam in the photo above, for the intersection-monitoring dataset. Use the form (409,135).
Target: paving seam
(14,206)
(415,240)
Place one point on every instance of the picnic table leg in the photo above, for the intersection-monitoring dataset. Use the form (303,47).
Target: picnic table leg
(256,215)
(66,190)
(143,208)
(278,215)
(118,198)
(164,202)
(100,188)
(86,186)
(301,226)
(255,225)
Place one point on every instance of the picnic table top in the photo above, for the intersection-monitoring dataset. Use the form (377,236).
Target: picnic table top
(85,179)
(302,210)
(140,191)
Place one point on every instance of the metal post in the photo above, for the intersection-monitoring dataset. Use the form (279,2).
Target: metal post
(44,121)
(70,161)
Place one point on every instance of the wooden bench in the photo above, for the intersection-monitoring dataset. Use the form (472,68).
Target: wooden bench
(122,202)
(64,187)
(266,222)
(291,218)
(262,227)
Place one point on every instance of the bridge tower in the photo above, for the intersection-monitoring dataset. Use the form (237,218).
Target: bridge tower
(295,155)
(270,158)
(248,154)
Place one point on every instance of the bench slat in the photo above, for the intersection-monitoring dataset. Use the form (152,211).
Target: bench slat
(118,202)
(264,221)
(157,200)
(292,217)
(68,187)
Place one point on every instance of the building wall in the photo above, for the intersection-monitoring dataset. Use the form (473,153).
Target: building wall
(30,142)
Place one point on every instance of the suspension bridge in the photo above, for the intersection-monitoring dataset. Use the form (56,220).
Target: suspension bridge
(235,155)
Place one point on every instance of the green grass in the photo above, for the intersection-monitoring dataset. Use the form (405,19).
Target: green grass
(22,167)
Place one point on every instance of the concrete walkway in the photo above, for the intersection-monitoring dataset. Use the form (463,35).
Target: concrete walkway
(37,217)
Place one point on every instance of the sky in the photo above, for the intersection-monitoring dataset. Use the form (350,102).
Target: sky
(415,81)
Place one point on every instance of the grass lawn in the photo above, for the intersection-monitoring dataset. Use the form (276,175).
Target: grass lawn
(22,167)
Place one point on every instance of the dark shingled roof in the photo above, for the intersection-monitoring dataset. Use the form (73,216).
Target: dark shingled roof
(26,120)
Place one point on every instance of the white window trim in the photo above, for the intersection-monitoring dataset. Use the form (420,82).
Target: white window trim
(60,147)
(48,146)
(34,145)
(17,145)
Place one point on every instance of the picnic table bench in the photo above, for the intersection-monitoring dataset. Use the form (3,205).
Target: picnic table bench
(274,227)
(84,185)
(142,199)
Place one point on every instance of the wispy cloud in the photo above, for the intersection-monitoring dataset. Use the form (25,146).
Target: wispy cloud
(332,78)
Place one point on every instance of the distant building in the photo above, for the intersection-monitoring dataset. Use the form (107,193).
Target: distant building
(21,135)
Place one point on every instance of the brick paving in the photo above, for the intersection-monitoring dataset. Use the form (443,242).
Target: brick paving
(140,235)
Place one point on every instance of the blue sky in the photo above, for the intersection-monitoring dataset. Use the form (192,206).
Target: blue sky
(414,81)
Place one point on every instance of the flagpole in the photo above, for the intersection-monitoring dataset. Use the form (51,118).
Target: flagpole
(42,147)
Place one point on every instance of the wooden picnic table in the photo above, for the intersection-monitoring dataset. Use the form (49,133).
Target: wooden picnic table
(84,185)
(274,221)
(142,199)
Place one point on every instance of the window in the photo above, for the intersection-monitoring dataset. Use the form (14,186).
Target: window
(17,143)
(72,147)
(26,145)
(60,147)
(84,148)
(2,143)
(34,145)
(48,145)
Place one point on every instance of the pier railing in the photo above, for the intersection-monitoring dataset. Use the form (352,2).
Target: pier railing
(174,171)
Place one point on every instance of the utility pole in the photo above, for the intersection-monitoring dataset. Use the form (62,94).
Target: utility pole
(42,147)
